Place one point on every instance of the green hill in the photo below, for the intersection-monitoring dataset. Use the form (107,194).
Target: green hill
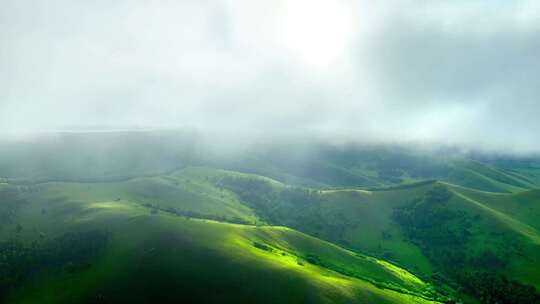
(107,218)
(70,242)
(447,233)
(116,156)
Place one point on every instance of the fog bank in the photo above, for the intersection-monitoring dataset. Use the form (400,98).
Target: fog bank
(460,73)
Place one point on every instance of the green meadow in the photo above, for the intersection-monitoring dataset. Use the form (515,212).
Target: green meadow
(158,255)
(367,226)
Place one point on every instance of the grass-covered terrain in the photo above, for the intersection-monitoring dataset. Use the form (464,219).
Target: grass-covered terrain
(116,156)
(89,243)
(456,237)
(173,223)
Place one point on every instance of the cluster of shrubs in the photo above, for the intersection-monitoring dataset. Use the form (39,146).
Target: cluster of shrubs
(491,287)
(429,221)
(274,205)
(258,194)
(294,207)
(71,252)
(262,246)
(443,235)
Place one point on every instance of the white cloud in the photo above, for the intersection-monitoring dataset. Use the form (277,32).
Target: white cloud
(462,72)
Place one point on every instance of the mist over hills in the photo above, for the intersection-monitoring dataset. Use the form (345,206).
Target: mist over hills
(314,162)
(269,151)
(326,222)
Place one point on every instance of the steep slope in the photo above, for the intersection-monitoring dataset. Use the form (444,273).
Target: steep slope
(428,227)
(153,255)
(452,234)
(355,218)
(512,220)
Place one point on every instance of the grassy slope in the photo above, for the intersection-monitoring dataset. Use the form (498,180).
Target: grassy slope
(376,166)
(369,215)
(113,156)
(506,224)
(464,172)
(512,217)
(166,258)
(476,175)
(501,220)
(181,190)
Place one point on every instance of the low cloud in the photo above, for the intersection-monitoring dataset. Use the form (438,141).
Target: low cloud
(463,72)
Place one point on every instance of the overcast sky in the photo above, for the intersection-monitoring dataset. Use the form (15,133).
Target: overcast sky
(459,72)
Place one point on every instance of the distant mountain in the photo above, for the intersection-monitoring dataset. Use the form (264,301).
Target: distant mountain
(176,238)
(159,216)
(102,156)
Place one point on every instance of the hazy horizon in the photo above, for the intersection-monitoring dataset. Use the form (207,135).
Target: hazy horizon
(218,151)
(462,73)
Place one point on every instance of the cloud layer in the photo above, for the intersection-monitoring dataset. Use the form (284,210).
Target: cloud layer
(463,72)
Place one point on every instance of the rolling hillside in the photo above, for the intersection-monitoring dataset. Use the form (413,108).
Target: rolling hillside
(146,253)
(375,224)
(116,156)
(430,228)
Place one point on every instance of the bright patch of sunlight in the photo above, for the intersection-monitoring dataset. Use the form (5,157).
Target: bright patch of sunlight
(317,31)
